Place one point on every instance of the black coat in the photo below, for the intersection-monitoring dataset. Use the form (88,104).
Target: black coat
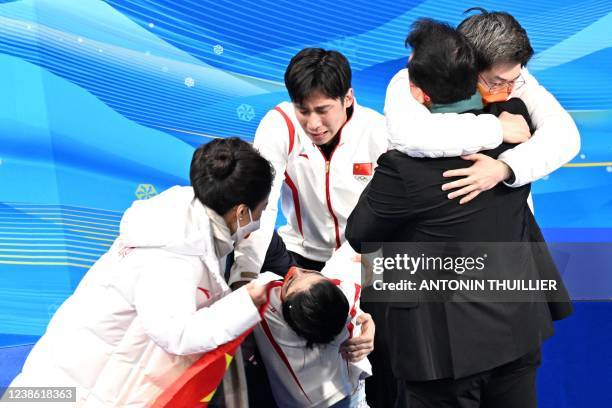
(444,339)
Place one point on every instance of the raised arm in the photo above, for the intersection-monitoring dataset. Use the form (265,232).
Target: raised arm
(555,141)
(165,301)
(417,132)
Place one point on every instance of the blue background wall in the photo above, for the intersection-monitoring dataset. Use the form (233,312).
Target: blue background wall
(102,103)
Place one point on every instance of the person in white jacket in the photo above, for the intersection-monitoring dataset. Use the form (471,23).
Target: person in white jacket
(309,316)
(157,300)
(503,50)
(324,147)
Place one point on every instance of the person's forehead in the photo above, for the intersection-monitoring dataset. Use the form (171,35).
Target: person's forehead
(318,100)
(505,71)
(305,280)
(507,78)
(311,276)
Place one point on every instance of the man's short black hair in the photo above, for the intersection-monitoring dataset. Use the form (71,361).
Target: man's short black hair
(317,314)
(443,62)
(316,69)
(497,38)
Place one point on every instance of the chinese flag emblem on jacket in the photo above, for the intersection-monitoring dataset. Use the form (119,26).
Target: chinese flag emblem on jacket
(362,169)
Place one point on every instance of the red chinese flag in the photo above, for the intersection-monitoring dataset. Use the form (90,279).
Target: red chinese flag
(196,387)
(362,169)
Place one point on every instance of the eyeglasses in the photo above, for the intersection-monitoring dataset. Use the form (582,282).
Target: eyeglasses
(499,87)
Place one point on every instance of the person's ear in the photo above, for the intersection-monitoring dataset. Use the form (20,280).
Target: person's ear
(349,98)
(418,94)
(242,213)
(237,213)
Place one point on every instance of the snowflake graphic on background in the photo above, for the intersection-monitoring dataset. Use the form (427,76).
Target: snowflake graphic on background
(189,82)
(245,112)
(218,49)
(145,191)
(608,169)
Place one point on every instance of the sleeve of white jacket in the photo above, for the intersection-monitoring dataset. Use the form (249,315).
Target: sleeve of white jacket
(417,132)
(555,142)
(165,301)
(272,141)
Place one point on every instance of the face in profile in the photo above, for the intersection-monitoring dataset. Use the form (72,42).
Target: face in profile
(245,217)
(298,279)
(242,216)
(322,117)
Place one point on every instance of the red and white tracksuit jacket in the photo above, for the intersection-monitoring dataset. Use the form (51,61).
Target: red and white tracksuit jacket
(319,376)
(318,195)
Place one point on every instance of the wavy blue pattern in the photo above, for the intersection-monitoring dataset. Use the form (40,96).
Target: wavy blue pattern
(104,101)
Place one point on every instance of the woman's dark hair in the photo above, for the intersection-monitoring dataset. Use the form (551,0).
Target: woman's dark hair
(316,69)
(443,62)
(317,314)
(228,172)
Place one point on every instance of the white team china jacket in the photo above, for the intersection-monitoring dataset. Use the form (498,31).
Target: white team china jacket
(317,377)
(317,195)
(414,130)
(144,312)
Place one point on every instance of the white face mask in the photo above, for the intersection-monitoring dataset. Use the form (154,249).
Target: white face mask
(243,231)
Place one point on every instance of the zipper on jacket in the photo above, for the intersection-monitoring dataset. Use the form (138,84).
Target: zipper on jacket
(327,170)
(328,195)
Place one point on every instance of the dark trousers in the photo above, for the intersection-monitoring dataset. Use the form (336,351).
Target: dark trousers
(278,259)
(306,263)
(258,384)
(381,387)
(511,385)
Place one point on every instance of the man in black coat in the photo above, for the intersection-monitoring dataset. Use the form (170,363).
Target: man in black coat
(454,348)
